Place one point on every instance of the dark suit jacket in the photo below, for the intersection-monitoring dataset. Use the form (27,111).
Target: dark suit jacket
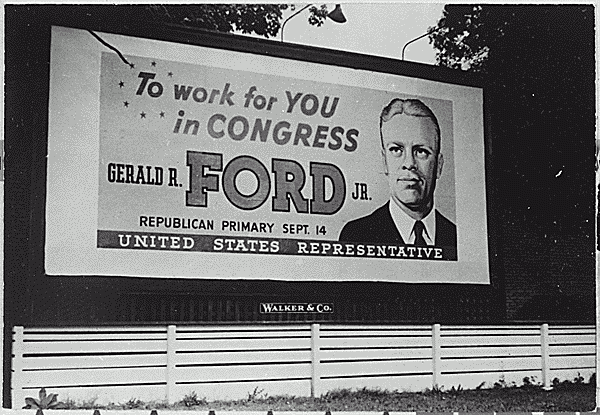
(379,227)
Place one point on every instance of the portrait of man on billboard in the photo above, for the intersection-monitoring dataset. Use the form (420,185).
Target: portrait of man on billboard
(410,144)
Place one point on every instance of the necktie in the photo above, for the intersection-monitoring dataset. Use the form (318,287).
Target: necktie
(418,231)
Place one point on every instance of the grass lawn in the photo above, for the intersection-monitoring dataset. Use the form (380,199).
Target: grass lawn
(579,399)
(531,398)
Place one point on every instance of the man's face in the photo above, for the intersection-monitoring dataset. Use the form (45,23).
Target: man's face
(413,162)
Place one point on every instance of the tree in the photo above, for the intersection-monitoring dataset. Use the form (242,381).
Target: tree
(466,36)
(538,65)
(262,19)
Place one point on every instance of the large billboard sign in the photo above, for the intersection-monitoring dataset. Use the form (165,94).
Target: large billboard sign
(167,159)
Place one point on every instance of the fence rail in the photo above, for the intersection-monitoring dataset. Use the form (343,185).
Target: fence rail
(116,364)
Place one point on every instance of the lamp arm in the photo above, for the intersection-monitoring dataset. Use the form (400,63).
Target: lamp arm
(417,38)
(286,20)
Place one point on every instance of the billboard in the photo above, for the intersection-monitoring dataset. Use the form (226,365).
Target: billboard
(167,159)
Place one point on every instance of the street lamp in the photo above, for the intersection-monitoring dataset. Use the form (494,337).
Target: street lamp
(435,29)
(336,15)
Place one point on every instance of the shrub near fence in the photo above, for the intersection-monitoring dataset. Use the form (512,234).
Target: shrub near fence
(115,364)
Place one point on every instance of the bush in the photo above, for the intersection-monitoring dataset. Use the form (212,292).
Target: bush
(530,382)
(133,403)
(191,399)
(501,384)
(257,395)
(44,402)
(90,403)
(578,382)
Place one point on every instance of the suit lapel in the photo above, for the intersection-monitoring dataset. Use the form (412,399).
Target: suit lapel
(389,232)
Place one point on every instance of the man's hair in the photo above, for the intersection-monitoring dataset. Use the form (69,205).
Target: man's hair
(411,107)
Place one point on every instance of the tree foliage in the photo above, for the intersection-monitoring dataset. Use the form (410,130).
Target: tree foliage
(464,35)
(538,65)
(483,37)
(317,15)
(262,19)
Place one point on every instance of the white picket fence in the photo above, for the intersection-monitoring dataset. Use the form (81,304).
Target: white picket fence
(116,364)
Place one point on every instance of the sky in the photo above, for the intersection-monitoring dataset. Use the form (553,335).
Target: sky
(380,29)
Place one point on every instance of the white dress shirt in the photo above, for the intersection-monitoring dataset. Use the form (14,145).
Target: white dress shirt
(405,224)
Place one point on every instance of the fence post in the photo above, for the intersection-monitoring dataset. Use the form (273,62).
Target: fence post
(597,339)
(545,343)
(315,360)
(436,347)
(171,347)
(17,366)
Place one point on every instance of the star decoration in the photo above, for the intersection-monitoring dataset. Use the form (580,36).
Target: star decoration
(162,114)
(170,74)
(142,114)
(153,63)
(121,84)
(126,104)
(131,65)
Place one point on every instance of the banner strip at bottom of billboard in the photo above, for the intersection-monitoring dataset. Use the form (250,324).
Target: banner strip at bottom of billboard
(267,246)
